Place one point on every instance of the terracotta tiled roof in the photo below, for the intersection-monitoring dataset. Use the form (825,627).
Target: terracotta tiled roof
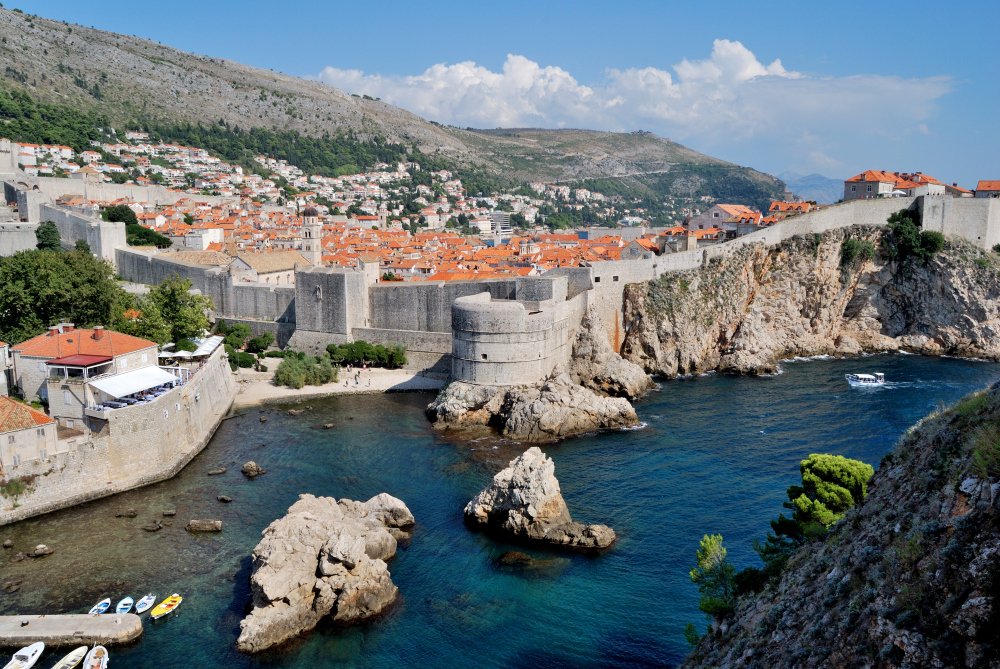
(988,185)
(17,416)
(82,341)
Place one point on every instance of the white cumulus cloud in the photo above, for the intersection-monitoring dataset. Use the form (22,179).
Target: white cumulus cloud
(728,97)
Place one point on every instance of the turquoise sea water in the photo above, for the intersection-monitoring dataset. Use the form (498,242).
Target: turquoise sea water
(715,455)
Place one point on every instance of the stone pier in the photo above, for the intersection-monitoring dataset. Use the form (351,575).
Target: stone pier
(70,630)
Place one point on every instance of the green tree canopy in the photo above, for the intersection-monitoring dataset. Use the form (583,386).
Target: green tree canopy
(122,213)
(47,235)
(185,312)
(42,288)
(714,575)
(831,484)
(140,317)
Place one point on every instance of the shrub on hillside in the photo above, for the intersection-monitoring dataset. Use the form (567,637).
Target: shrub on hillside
(298,369)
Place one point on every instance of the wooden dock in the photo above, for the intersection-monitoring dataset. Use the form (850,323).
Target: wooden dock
(70,630)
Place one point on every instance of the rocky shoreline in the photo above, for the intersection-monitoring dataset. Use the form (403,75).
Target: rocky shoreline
(745,312)
(324,558)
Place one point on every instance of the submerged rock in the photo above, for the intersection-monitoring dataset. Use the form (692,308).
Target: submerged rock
(41,550)
(217,471)
(127,513)
(154,526)
(524,502)
(197,525)
(225,499)
(324,558)
(295,412)
(252,470)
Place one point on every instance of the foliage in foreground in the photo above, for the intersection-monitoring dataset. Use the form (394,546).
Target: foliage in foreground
(714,575)
(905,242)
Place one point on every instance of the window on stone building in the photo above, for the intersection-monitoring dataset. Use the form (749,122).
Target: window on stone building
(614,278)
(484,356)
(67,397)
(10,439)
(597,279)
(17,460)
(43,454)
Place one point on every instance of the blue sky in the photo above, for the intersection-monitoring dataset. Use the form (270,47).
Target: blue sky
(807,87)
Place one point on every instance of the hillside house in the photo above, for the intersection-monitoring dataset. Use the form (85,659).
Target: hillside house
(26,434)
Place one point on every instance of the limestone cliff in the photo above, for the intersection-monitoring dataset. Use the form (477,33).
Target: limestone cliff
(911,578)
(745,311)
(593,393)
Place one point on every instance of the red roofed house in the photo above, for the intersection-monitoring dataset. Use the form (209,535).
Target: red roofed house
(988,189)
(64,356)
(879,183)
(719,215)
(25,435)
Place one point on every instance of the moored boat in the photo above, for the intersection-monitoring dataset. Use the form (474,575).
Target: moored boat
(26,657)
(125,605)
(97,658)
(145,603)
(876,379)
(101,606)
(166,606)
(72,659)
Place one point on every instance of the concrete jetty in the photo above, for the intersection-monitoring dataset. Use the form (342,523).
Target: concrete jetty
(70,630)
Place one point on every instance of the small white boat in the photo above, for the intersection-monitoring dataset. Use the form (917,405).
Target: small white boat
(97,658)
(101,606)
(73,659)
(26,657)
(145,603)
(125,605)
(866,380)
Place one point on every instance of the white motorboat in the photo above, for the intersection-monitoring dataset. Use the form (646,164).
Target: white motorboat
(101,606)
(866,380)
(26,657)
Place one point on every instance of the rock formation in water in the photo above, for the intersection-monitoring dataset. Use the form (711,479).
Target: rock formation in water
(323,558)
(746,311)
(592,394)
(524,502)
(910,578)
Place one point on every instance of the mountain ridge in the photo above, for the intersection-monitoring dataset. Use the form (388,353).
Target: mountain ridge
(132,78)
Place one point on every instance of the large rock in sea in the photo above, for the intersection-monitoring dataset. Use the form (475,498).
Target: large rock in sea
(524,502)
(323,558)
(549,411)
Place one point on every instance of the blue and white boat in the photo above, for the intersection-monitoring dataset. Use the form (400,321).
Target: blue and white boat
(125,605)
(866,380)
(101,606)
(145,603)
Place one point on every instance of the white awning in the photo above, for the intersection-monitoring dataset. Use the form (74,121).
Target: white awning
(135,381)
(206,347)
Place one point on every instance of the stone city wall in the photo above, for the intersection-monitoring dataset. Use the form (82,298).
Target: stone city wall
(102,237)
(16,237)
(426,306)
(141,444)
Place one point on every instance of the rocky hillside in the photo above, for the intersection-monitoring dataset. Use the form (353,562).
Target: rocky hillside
(130,78)
(744,312)
(911,578)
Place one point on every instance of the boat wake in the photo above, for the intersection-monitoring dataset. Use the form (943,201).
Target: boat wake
(632,428)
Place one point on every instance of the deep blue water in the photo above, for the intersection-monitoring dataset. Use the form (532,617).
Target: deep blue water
(716,455)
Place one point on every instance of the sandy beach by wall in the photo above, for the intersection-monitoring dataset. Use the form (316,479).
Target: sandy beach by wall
(255,388)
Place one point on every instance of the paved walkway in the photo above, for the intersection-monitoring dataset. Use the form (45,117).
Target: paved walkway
(70,630)
(258,388)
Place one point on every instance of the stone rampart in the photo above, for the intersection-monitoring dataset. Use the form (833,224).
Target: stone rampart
(137,446)
(102,237)
(16,237)
(426,306)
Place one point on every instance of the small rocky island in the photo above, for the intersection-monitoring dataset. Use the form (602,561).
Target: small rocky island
(323,558)
(524,502)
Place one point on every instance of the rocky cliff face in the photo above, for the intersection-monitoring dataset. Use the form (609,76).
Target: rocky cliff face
(524,501)
(745,312)
(911,578)
(323,558)
(592,394)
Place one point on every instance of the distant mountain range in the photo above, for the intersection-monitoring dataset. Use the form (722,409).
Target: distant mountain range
(131,79)
(821,189)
